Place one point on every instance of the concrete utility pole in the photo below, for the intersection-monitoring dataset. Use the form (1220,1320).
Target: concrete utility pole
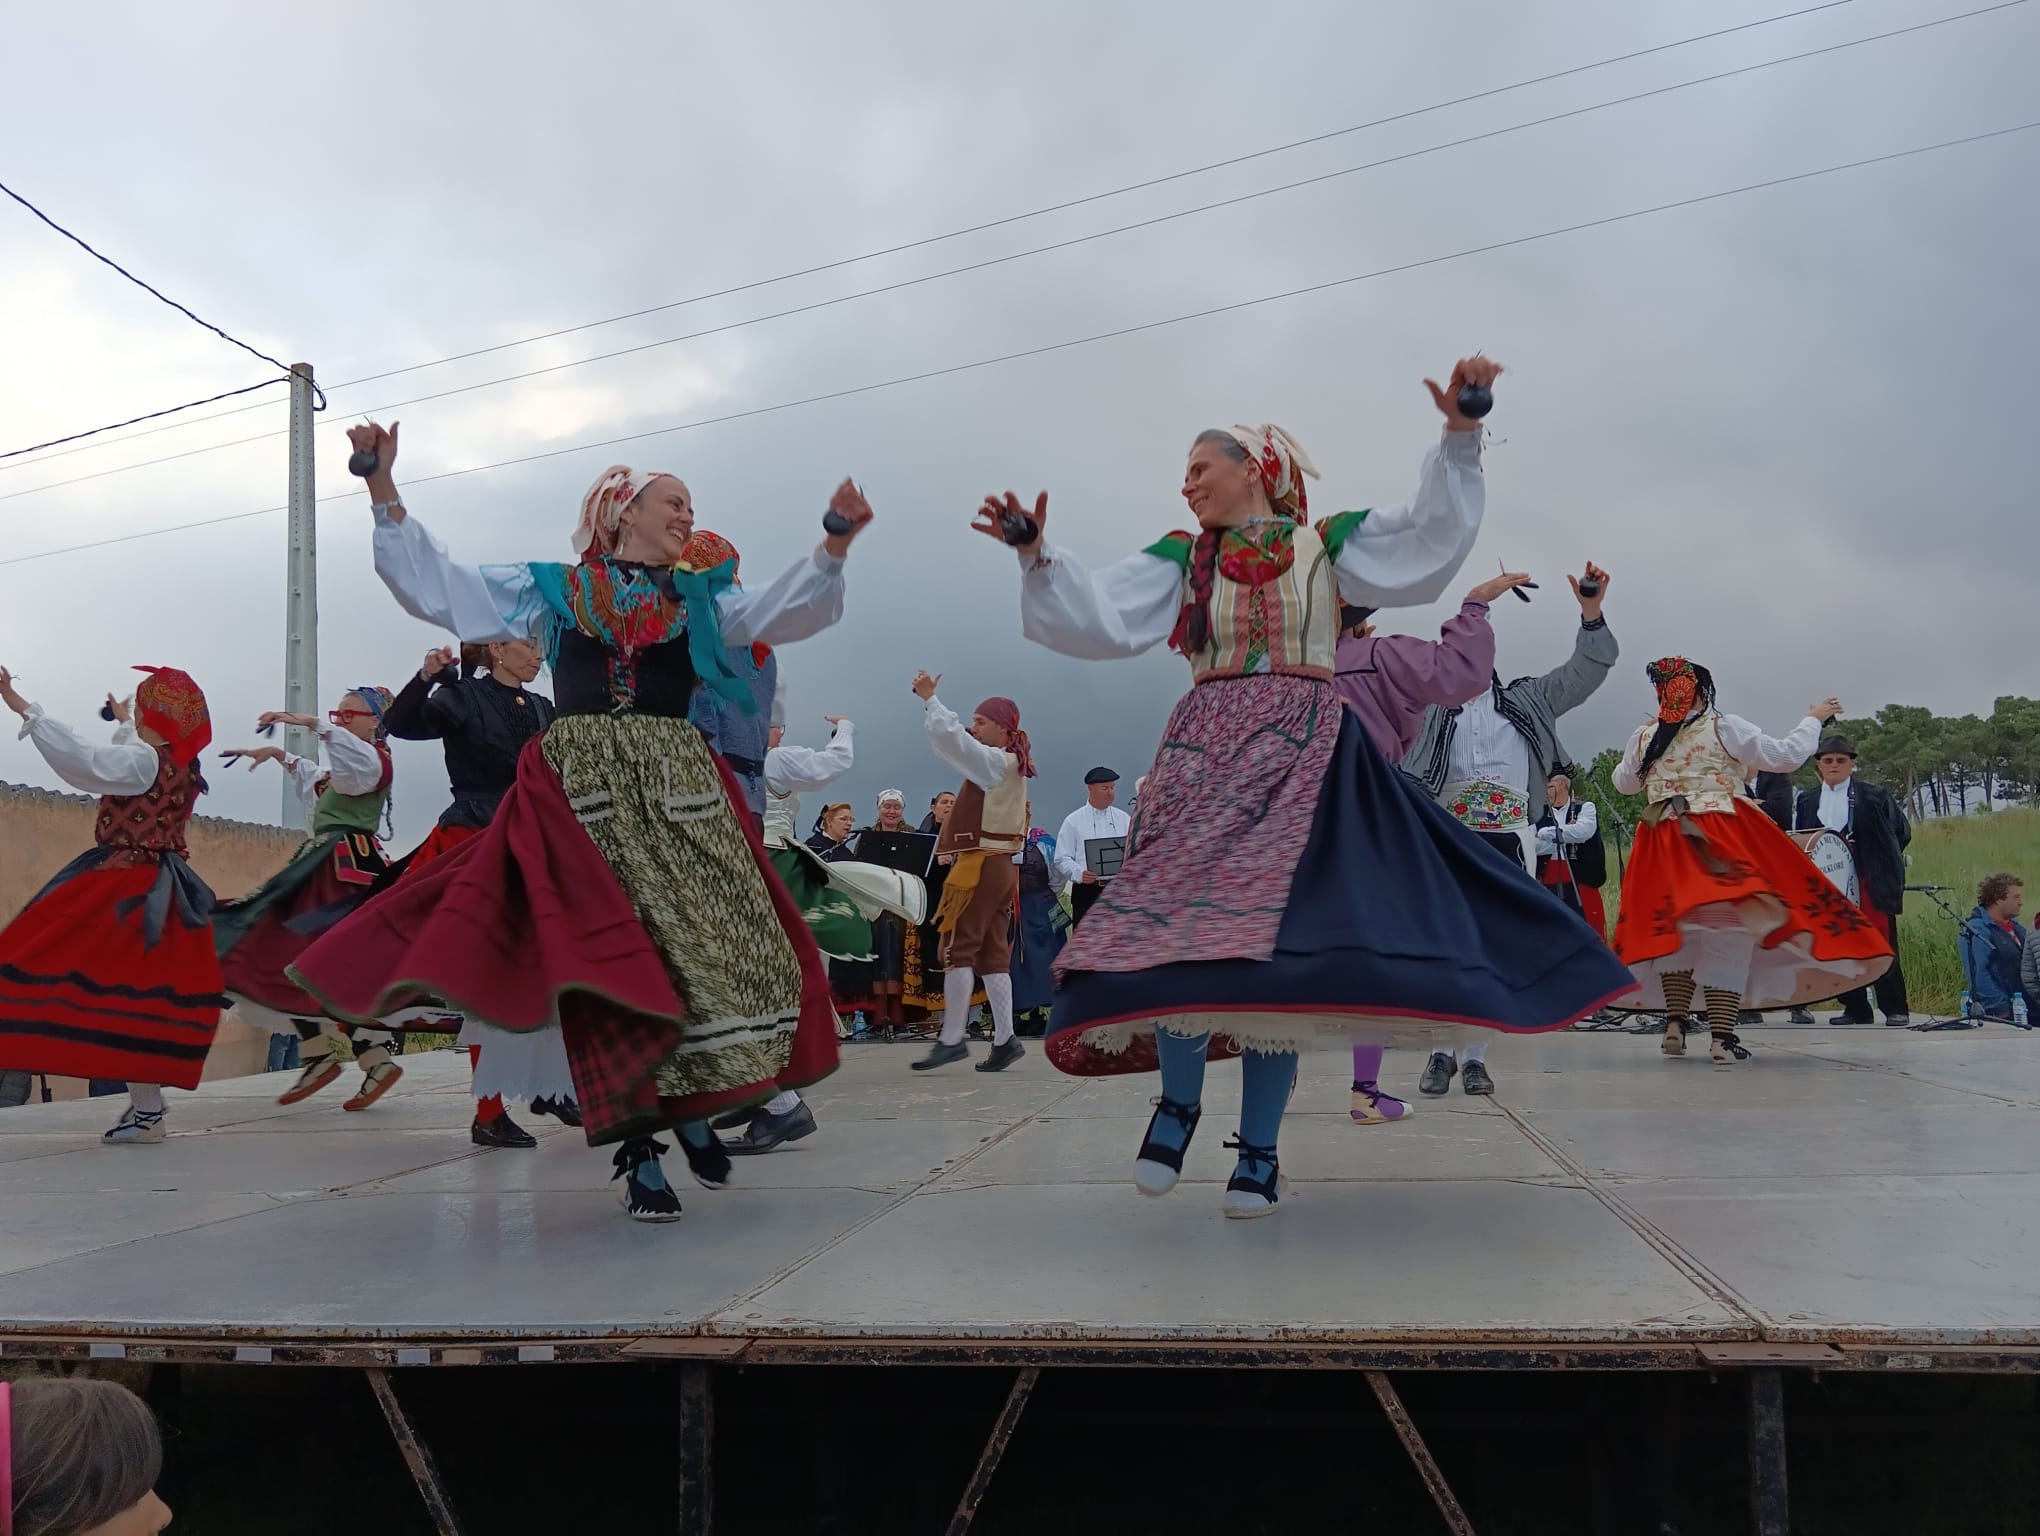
(301,585)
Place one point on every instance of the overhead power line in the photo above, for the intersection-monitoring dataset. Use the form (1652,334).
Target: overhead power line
(149,288)
(1052,246)
(1084,341)
(1034,213)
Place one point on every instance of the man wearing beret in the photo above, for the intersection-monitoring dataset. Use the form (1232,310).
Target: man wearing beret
(1098,817)
(1877,833)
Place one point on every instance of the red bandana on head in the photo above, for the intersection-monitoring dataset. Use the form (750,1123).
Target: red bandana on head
(1006,714)
(1678,687)
(169,703)
(705,551)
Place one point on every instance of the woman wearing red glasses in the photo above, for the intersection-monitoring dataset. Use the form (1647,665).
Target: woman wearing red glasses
(339,868)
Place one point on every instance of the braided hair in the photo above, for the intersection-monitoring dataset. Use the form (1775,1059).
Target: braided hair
(1661,738)
(1193,621)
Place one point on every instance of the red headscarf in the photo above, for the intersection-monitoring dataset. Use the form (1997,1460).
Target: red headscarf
(1005,713)
(169,703)
(1678,687)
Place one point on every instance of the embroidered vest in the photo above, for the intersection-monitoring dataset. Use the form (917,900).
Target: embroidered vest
(995,822)
(1273,611)
(153,821)
(1697,766)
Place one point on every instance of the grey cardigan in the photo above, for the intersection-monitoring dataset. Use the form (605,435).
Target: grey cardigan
(1533,702)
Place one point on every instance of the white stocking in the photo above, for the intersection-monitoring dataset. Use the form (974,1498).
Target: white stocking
(1473,1053)
(783,1104)
(146,1097)
(956,989)
(999,993)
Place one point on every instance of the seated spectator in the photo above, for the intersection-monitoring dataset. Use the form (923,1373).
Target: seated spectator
(1993,945)
(85,1456)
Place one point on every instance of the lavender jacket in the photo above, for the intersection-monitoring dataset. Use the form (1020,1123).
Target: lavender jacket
(1390,680)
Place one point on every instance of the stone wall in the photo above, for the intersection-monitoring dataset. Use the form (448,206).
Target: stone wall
(42,830)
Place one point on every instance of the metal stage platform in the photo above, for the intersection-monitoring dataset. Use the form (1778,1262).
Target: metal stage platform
(1852,1200)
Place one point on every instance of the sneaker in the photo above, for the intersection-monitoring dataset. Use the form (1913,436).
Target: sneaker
(1158,1165)
(138,1127)
(375,1082)
(1674,1042)
(710,1165)
(1373,1107)
(942,1055)
(1250,1193)
(1002,1057)
(316,1074)
(1438,1074)
(1473,1078)
(645,1195)
(566,1111)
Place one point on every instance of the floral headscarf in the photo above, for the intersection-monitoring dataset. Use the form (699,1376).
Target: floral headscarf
(602,508)
(1283,464)
(1678,688)
(169,703)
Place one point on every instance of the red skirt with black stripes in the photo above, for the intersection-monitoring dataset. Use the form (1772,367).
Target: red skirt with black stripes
(84,993)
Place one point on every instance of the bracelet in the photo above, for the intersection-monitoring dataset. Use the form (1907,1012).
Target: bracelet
(384,508)
(1593,623)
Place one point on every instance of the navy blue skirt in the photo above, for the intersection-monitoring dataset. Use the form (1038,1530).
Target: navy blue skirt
(1033,976)
(1400,925)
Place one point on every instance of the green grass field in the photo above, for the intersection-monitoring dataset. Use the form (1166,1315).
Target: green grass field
(1956,852)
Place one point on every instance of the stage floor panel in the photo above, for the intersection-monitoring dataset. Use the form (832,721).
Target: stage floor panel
(1848,1186)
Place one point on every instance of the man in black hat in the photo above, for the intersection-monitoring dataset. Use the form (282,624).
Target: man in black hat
(1097,818)
(1877,832)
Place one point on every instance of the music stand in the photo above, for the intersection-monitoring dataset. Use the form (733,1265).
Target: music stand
(911,853)
(1103,856)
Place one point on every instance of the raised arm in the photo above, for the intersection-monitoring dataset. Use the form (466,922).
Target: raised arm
(801,601)
(1403,556)
(1776,754)
(1120,611)
(984,766)
(789,768)
(1448,671)
(124,766)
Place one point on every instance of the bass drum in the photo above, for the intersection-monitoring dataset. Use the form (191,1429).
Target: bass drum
(1831,856)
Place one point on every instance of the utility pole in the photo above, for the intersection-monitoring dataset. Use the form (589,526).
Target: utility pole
(301,585)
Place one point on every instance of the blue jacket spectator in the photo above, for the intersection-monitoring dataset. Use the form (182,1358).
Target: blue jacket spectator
(1993,945)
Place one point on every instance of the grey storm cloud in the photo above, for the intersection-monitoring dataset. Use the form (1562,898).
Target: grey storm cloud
(1786,421)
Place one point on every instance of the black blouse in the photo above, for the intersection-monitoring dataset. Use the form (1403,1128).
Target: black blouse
(484,725)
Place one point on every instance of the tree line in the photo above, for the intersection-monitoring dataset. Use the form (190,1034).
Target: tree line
(1936,765)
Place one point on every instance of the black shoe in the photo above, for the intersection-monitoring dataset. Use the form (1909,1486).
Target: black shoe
(736,1118)
(1898,1021)
(1002,1057)
(942,1055)
(710,1165)
(1247,1195)
(1800,1016)
(1438,1074)
(1850,1018)
(645,1194)
(769,1130)
(566,1111)
(1157,1165)
(1475,1079)
(500,1132)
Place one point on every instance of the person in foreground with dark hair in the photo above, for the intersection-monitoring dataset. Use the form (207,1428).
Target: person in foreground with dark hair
(1718,900)
(78,1458)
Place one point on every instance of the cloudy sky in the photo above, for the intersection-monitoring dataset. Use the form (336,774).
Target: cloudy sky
(1790,422)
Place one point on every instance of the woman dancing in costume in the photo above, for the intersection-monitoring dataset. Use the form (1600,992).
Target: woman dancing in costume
(109,970)
(478,708)
(1389,681)
(618,883)
(1285,881)
(1717,900)
(339,867)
